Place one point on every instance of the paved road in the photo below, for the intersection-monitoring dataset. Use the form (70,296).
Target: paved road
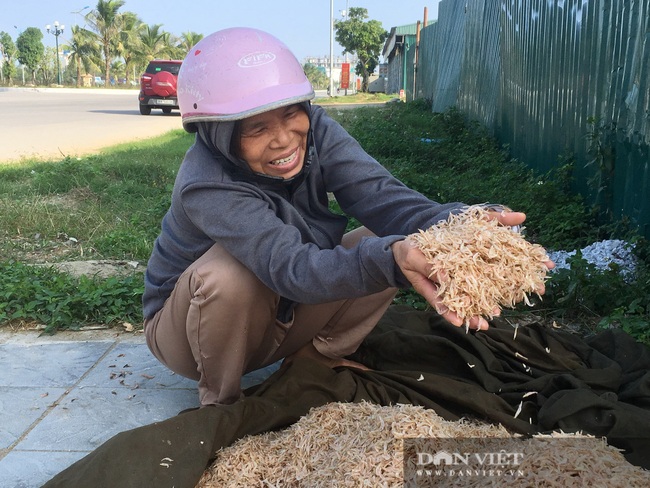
(50,123)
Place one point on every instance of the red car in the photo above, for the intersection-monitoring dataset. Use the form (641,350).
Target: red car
(158,86)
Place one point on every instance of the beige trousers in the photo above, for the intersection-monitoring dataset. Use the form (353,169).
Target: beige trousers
(219,324)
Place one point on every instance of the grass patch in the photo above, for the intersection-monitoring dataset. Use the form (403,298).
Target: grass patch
(110,205)
(448,159)
(105,206)
(356,98)
(46,296)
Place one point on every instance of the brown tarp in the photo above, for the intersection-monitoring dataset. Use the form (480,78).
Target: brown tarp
(599,385)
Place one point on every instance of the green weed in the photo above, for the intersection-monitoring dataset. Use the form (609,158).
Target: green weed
(46,296)
(448,159)
(110,206)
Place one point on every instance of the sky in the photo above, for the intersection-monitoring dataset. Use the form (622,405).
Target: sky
(303,25)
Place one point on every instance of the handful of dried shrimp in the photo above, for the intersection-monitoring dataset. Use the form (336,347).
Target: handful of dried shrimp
(482,265)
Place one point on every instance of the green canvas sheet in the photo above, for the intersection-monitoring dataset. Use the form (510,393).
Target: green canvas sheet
(599,385)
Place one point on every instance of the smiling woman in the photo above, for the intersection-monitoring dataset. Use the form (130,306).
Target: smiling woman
(251,266)
(274,143)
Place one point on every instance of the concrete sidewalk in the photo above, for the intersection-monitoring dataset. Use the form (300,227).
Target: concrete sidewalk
(62,396)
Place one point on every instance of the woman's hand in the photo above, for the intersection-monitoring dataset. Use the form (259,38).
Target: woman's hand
(415,267)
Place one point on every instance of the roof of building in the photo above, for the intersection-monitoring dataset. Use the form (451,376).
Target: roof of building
(410,29)
(396,35)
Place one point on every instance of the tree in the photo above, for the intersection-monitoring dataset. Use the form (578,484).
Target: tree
(187,41)
(30,49)
(7,53)
(84,50)
(316,77)
(154,42)
(47,66)
(365,39)
(118,68)
(130,44)
(114,41)
(106,21)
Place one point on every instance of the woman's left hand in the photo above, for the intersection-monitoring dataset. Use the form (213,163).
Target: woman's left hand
(417,270)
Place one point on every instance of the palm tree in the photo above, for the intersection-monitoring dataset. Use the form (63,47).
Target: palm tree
(154,42)
(118,69)
(84,50)
(129,44)
(187,41)
(106,21)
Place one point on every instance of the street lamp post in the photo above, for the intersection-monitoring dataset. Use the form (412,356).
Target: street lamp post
(79,12)
(56,32)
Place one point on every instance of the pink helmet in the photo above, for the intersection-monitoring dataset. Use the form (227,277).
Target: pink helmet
(238,72)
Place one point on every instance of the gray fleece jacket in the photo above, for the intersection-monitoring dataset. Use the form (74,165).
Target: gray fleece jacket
(283,231)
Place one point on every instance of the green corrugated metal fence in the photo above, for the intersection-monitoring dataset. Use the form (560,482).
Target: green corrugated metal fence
(550,78)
